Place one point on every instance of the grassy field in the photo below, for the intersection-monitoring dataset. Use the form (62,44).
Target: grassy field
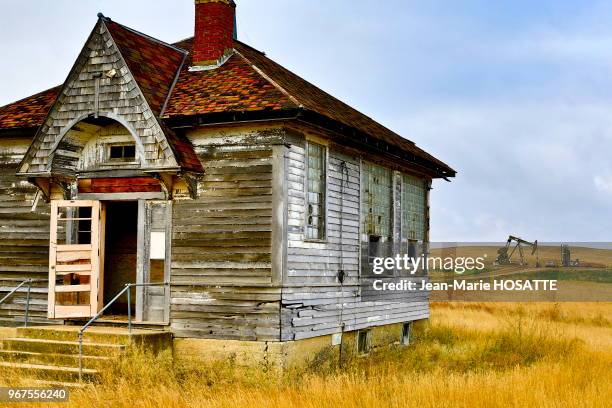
(470,355)
(594,256)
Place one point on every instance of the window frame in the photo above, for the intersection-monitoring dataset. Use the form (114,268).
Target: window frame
(324,232)
(121,160)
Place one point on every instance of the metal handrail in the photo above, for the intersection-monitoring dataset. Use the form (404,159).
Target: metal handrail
(127,288)
(12,292)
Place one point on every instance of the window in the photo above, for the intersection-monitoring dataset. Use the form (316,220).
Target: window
(315,191)
(363,341)
(406,329)
(376,201)
(74,225)
(376,213)
(122,152)
(413,208)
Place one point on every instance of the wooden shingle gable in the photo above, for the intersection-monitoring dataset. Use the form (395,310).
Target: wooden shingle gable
(100,84)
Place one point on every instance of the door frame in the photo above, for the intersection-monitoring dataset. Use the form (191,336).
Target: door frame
(142,254)
(143,259)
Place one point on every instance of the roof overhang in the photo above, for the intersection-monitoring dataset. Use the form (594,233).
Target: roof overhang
(20,132)
(344,135)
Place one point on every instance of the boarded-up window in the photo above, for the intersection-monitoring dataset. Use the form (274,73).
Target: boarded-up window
(315,191)
(413,208)
(377,201)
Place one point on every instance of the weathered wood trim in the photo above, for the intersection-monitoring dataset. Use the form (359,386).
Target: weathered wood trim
(279,214)
(360,227)
(121,196)
(168,262)
(52,258)
(115,185)
(102,260)
(141,259)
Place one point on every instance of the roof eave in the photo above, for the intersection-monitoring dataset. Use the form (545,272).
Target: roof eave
(16,132)
(351,135)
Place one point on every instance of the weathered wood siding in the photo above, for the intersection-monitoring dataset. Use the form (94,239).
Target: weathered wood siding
(314,302)
(222,275)
(24,238)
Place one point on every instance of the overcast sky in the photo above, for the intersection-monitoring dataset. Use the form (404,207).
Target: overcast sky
(515,95)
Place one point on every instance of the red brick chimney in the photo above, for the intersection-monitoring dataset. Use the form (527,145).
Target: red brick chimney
(214,31)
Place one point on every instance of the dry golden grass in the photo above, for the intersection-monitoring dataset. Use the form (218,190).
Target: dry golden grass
(471,355)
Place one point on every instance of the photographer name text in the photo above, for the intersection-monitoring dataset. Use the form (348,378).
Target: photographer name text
(459,284)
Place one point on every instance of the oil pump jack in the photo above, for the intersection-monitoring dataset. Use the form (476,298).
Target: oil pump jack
(504,254)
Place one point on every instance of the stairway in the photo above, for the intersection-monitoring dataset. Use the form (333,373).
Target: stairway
(50,354)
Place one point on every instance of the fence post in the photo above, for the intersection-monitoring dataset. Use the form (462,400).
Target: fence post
(80,356)
(129,298)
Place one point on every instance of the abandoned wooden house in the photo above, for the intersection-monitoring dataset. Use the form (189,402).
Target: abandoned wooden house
(240,199)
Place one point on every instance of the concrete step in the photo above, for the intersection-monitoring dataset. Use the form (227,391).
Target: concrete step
(95,334)
(66,360)
(62,347)
(51,353)
(50,372)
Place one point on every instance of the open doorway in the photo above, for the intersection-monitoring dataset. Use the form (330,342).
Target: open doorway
(120,254)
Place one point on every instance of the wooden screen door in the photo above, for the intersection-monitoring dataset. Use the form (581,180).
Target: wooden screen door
(75,260)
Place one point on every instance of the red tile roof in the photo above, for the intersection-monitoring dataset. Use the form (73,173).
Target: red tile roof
(249,82)
(28,112)
(235,86)
(183,150)
(153,64)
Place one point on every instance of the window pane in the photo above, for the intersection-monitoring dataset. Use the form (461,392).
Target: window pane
(315,194)
(377,200)
(122,152)
(413,208)
(129,151)
(116,152)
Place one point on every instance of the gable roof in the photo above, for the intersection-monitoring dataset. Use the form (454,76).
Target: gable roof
(248,83)
(154,64)
(116,95)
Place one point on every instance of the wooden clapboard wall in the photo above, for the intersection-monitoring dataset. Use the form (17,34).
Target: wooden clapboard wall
(222,276)
(24,238)
(314,303)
